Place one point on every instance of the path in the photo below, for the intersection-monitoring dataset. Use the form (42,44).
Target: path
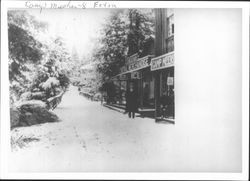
(91,137)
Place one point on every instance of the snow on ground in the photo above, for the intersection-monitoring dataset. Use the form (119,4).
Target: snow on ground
(91,137)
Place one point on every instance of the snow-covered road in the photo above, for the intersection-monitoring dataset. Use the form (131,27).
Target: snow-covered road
(91,137)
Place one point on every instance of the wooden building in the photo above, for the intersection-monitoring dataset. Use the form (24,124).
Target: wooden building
(162,65)
(137,71)
(151,72)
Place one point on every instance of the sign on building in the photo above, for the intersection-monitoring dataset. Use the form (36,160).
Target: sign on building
(134,64)
(139,63)
(135,75)
(170,81)
(163,61)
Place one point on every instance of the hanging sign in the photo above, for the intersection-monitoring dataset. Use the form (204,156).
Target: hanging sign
(163,61)
(170,81)
(135,75)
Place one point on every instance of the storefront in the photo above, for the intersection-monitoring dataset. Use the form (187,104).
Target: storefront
(136,71)
(147,90)
(162,65)
(120,86)
(123,88)
(163,68)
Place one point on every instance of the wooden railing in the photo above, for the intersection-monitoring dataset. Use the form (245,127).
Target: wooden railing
(53,102)
(88,95)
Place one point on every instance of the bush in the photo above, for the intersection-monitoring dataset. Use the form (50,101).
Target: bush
(26,96)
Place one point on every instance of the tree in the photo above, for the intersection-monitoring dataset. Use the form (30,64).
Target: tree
(56,65)
(126,32)
(23,46)
(35,64)
(112,53)
(141,28)
(24,49)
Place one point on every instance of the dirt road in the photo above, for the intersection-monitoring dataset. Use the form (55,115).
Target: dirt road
(91,137)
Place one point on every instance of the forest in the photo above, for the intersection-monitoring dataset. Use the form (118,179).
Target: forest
(41,68)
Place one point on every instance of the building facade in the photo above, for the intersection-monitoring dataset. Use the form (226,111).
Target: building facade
(136,71)
(162,65)
(151,72)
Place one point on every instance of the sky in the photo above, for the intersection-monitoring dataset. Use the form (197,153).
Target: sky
(78,27)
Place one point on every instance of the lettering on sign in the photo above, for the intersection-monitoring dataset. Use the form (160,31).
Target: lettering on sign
(140,63)
(136,64)
(162,61)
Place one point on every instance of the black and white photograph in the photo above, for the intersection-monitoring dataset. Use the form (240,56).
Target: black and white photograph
(94,87)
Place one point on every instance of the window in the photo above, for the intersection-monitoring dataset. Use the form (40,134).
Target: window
(170,44)
(170,26)
(148,90)
(170,34)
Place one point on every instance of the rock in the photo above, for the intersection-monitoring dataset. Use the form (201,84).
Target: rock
(14,117)
(35,112)
(28,114)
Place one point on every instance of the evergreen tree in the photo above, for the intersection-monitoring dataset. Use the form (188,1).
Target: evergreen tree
(126,32)
(35,64)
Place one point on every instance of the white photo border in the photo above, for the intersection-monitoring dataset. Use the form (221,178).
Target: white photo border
(5,125)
